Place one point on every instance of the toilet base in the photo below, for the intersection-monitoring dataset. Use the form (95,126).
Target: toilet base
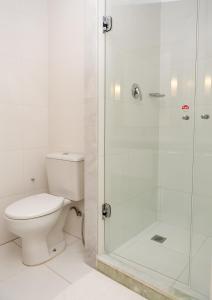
(54,251)
(42,238)
(59,248)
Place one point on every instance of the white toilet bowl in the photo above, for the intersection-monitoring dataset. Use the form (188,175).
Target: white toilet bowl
(38,220)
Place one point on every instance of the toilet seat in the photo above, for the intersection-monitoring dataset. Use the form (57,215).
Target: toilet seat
(34,207)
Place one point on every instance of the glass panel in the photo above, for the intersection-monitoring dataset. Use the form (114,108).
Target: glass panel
(149,140)
(202,198)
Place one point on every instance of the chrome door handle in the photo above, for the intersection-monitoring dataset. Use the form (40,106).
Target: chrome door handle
(205,117)
(186,117)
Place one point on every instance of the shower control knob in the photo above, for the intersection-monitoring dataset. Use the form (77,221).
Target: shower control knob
(205,117)
(186,117)
(136,91)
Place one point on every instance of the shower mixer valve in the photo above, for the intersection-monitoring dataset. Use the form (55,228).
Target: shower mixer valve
(136,91)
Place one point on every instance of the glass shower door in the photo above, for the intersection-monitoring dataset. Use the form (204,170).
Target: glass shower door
(200,269)
(149,131)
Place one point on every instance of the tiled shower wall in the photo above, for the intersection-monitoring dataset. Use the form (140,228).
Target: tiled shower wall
(177,81)
(23,101)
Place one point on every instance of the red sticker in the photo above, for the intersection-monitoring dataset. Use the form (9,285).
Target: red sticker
(185,107)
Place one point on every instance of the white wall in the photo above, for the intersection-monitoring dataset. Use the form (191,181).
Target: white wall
(66,75)
(23,101)
(41,87)
(66,83)
(91,128)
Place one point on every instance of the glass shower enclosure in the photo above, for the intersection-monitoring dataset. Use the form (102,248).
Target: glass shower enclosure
(158,141)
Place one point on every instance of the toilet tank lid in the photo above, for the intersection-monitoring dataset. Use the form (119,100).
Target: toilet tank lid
(68,156)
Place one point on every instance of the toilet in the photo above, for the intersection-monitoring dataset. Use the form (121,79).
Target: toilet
(39,219)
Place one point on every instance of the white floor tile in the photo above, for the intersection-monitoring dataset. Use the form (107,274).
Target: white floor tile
(70,264)
(70,239)
(95,286)
(10,261)
(36,283)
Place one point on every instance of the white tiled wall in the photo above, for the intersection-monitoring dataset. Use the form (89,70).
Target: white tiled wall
(41,93)
(66,75)
(203,144)
(177,81)
(23,101)
(178,55)
(66,83)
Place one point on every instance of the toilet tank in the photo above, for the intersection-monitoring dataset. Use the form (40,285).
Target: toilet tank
(65,172)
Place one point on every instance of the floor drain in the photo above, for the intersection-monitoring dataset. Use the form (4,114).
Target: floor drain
(159,239)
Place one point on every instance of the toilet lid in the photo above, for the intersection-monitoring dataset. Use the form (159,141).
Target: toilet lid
(34,206)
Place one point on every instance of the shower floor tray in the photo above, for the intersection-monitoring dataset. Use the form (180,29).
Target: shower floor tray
(170,259)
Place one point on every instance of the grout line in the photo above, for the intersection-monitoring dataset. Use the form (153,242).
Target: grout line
(200,247)
(56,273)
(6,243)
(177,280)
(74,236)
(74,242)
(19,246)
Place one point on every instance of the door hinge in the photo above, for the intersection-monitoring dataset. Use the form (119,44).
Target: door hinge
(107,24)
(106,210)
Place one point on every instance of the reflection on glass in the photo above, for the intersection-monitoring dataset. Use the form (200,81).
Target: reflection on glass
(117,91)
(174,87)
(208,84)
